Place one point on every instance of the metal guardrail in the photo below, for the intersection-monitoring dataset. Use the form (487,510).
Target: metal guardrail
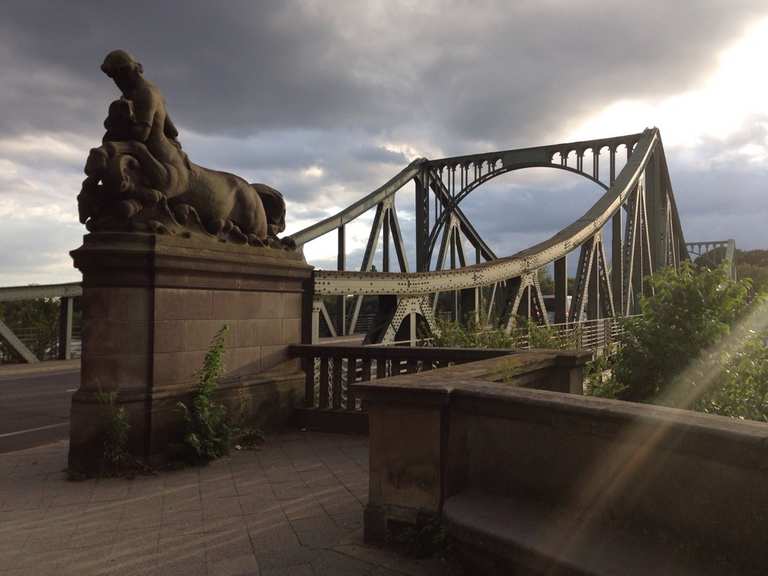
(600,335)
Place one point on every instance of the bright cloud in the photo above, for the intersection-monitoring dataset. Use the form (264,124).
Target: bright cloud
(735,93)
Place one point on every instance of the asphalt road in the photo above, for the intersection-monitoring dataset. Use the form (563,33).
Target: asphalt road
(34,407)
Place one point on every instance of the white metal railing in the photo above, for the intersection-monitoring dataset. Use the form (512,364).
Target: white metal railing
(601,334)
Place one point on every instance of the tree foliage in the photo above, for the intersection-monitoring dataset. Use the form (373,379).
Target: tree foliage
(753,264)
(690,310)
(742,390)
(701,343)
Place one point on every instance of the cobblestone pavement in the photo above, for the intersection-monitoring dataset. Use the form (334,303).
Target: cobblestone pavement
(292,508)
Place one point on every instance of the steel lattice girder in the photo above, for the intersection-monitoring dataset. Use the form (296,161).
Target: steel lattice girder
(526,261)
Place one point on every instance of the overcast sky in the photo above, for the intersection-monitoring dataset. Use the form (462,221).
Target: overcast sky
(327,100)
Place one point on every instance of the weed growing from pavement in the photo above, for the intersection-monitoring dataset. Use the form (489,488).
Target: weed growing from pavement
(209,433)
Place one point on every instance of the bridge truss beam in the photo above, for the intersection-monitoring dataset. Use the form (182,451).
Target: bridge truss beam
(637,210)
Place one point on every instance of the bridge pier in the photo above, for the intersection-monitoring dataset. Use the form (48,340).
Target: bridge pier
(152,304)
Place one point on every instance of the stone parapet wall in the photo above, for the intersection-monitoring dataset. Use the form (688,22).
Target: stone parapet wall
(414,464)
(687,487)
(695,481)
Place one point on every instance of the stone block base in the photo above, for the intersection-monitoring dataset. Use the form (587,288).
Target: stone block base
(151,306)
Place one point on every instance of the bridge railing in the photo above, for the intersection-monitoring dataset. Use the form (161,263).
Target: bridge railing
(44,343)
(600,335)
(332,369)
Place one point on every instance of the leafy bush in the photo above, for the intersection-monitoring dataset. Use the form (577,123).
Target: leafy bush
(209,432)
(702,343)
(742,390)
(690,311)
(599,379)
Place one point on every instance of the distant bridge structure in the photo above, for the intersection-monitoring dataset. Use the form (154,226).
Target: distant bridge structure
(715,252)
(638,206)
(20,342)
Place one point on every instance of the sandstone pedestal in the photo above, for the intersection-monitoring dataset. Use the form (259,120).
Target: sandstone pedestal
(151,305)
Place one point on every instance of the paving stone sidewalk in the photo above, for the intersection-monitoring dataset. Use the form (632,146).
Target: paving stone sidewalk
(292,508)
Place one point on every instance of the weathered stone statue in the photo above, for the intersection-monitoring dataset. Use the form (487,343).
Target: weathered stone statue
(140,179)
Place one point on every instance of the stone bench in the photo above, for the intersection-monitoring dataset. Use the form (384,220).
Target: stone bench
(498,533)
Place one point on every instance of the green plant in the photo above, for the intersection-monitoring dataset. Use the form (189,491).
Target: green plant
(689,311)
(473,335)
(545,336)
(454,335)
(209,430)
(115,458)
(742,383)
(599,379)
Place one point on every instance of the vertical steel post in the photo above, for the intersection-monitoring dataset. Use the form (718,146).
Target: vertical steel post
(596,163)
(639,269)
(65,328)
(617,260)
(656,204)
(341,265)
(385,242)
(452,246)
(477,291)
(422,221)
(561,291)
(593,288)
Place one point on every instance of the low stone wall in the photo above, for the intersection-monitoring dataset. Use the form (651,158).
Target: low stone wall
(408,416)
(684,485)
(152,304)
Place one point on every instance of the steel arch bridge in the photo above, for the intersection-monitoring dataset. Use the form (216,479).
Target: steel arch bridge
(647,238)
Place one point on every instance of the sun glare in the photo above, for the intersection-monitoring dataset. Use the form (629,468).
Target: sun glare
(736,93)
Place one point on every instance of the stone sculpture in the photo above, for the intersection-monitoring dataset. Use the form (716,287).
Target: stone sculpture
(140,179)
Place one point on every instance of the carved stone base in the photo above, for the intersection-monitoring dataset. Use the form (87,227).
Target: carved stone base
(152,304)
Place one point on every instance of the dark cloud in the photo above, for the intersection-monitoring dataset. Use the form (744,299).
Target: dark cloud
(316,97)
(480,71)
(224,67)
